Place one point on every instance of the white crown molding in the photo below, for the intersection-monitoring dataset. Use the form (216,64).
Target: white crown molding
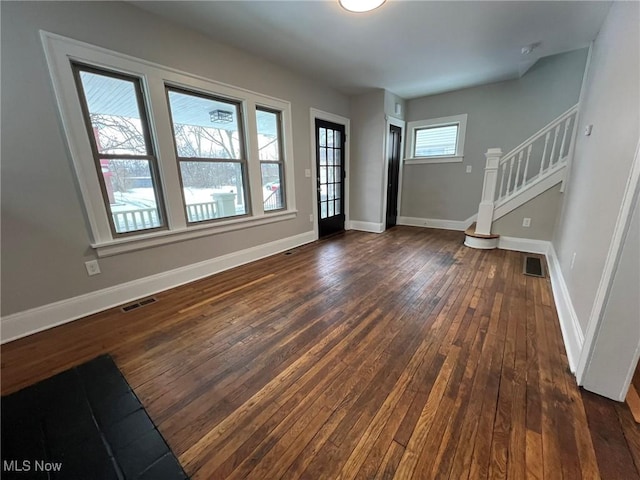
(31,321)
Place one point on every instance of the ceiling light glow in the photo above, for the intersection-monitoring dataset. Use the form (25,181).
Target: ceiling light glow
(360,6)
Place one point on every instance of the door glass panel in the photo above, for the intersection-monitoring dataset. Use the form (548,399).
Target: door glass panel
(331,209)
(322,140)
(323,210)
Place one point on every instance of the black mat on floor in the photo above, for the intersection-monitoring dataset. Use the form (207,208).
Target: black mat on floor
(85,423)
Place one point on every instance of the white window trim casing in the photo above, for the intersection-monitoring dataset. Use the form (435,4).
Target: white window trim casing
(461,120)
(60,51)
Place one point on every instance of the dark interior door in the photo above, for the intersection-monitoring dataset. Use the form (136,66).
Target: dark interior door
(330,169)
(395,138)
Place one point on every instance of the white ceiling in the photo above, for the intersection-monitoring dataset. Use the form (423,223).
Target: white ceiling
(411,48)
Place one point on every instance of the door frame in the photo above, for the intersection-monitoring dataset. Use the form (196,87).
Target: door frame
(329,117)
(385,171)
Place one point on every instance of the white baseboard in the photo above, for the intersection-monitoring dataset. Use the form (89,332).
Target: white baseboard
(527,245)
(366,226)
(41,318)
(569,324)
(459,225)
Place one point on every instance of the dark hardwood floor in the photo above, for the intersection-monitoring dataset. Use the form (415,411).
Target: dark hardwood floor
(401,355)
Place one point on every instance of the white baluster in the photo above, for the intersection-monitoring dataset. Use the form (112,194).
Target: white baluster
(526,166)
(564,138)
(544,151)
(504,169)
(553,148)
(509,188)
(515,183)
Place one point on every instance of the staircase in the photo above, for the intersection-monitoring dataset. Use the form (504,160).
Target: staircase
(525,172)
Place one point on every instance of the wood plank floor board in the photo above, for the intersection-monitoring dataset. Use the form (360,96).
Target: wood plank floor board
(403,355)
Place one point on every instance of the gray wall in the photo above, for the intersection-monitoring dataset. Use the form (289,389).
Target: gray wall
(367,157)
(499,115)
(542,210)
(44,237)
(614,350)
(390,101)
(603,160)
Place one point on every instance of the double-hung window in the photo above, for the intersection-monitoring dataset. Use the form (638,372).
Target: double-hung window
(437,140)
(209,143)
(118,131)
(162,155)
(270,155)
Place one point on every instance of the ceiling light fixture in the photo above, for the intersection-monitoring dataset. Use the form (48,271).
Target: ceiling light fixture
(360,6)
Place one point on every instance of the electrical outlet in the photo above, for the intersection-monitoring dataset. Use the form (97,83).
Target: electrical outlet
(468,168)
(92,266)
(307,173)
(573,260)
(526,222)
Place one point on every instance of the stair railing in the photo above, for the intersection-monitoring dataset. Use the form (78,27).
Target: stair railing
(538,157)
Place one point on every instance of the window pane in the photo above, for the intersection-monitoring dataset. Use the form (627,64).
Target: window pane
(212,190)
(436,141)
(268,132)
(205,127)
(272,186)
(114,114)
(132,198)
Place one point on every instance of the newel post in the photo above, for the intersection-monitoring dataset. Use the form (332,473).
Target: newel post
(485,211)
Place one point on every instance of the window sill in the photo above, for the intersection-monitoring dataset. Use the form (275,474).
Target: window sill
(140,242)
(426,160)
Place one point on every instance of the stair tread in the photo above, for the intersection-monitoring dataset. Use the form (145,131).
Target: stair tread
(471,231)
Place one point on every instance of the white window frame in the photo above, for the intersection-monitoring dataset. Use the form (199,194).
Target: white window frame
(413,127)
(60,51)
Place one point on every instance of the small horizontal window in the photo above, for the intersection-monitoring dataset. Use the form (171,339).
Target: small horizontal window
(437,140)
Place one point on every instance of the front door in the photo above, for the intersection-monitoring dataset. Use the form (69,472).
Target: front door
(330,143)
(395,138)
